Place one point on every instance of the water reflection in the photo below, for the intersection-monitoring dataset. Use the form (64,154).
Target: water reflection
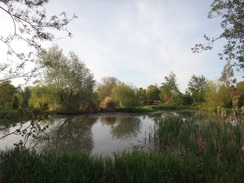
(126,128)
(73,133)
(109,121)
(98,133)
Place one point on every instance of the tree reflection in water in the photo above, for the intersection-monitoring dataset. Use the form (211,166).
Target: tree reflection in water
(126,128)
(72,134)
(109,121)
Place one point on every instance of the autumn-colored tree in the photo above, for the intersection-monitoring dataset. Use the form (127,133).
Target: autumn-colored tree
(108,104)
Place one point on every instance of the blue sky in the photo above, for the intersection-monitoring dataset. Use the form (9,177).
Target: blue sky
(142,41)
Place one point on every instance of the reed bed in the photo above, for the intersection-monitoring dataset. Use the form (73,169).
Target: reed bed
(208,138)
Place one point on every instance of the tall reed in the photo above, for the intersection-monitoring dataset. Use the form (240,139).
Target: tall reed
(208,138)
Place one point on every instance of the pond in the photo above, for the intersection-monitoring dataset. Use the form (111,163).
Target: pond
(102,133)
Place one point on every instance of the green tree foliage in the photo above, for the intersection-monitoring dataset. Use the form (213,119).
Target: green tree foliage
(7,91)
(225,94)
(43,96)
(170,93)
(142,95)
(69,78)
(106,87)
(217,94)
(26,94)
(15,102)
(90,105)
(31,24)
(232,14)
(125,95)
(211,95)
(240,93)
(152,93)
(187,98)
(240,88)
(227,75)
(197,87)
(241,100)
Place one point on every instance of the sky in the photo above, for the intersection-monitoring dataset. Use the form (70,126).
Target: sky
(142,41)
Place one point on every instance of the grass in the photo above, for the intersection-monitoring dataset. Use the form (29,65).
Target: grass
(152,108)
(135,109)
(174,107)
(30,166)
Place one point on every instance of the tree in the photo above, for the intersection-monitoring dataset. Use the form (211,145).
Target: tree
(7,91)
(43,95)
(125,95)
(26,94)
(225,95)
(31,26)
(240,87)
(217,94)
(170,93)
(69,78)
(187,98)
(227,75)
(108,104)
(106,87)
(15,102)
(240,93)
(232,14)
(211,96)
(142,95)
(197,87)
(152,93)
(241,100)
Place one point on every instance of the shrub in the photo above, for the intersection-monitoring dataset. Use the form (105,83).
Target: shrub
(108,104)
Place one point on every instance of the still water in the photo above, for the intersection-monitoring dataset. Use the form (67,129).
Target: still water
(101,134)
